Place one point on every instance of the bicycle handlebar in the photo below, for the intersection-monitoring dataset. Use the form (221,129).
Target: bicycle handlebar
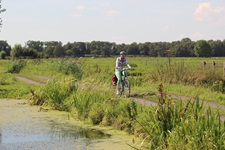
(127,69)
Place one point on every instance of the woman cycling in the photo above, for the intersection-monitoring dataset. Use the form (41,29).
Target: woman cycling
(121,62)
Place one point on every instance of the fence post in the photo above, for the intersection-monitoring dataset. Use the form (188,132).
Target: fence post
(213,65)
(204,63)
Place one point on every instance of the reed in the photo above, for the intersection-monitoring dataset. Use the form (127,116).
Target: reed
(54,93)
(174,124)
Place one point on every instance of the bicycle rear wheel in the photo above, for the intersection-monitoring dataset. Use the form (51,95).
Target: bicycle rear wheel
(121,89)
(126,89)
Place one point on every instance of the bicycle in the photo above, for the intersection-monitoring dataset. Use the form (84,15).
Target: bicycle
(125,85)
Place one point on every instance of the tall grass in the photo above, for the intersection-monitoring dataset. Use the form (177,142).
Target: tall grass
(99,107)
(68,67)
(54,93)
(16,66)
(176,124)
(185,74)
(173,124)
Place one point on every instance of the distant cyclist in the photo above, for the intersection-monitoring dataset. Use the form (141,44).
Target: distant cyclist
(121,62)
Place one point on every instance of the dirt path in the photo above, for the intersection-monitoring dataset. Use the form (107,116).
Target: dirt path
(136,99)
(28,81)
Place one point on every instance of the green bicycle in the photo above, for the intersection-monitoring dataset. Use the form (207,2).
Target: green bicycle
(125,85)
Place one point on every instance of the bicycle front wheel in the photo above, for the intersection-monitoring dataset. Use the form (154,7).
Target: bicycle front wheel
(126,89)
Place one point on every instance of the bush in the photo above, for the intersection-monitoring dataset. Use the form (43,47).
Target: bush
(2,54)
(16,66)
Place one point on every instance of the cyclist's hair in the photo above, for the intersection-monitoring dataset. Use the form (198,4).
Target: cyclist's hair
(122,52)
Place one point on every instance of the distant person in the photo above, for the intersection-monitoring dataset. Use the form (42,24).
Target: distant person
(121,62)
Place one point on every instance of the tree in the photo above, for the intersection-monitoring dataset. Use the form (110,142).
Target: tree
(144,49)
(183,48)
(1,10)
(217,48)
(37,45)
(58,51)
(82,48)
(133,49)
(17,51)
(2,54)
(106,48)
(67,48)
(202,49)
(121,47)
(53,49)
(30,53)
(4,46)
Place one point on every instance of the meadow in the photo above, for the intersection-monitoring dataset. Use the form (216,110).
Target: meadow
(82,86)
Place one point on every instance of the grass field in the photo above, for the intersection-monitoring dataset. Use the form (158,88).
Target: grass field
(172,124)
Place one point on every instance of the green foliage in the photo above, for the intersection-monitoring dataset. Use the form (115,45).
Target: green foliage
(10,87)
(96,113)
(30,53)
(16,66)
(185,74)
(68,67)
(171,125)
(17,51)
(54,93)
(174,124)
(83,101)
(170,73)
(2,54)
(219,86)
(1,10)
(202,49)
(100,108)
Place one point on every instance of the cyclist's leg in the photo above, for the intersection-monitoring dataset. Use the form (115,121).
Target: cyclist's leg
(124,73)
(126,84)
(119,79)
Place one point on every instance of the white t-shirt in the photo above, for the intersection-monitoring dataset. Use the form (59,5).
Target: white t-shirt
(120,64)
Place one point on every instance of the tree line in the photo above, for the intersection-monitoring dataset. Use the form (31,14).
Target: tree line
(55,49)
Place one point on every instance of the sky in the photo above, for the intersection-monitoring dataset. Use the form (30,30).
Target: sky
(119,21)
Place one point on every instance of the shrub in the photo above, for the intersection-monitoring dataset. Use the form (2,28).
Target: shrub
(2,54)
(16,66)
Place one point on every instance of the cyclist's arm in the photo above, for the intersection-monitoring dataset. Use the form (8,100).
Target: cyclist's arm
(117,63)
(128,65)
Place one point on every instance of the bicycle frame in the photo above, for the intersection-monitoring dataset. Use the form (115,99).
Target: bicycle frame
(125,85)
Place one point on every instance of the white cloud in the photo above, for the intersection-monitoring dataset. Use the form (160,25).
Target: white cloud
(198,36)
(80,8)
(77,15)
(112,13)
(194,36)
(104,4)
(206,12)
(181,36)
(166,28)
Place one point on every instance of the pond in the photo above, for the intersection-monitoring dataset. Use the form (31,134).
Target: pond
(24,127)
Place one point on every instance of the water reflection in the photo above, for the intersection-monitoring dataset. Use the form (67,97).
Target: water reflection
(55,131)
(76,132)
(0,137)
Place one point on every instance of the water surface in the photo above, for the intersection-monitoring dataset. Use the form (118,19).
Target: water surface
(23,127)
